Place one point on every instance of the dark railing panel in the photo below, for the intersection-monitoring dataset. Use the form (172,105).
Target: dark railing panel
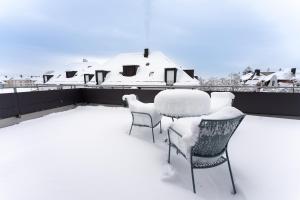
(114,96)
(15,104)
(37,101)
(8,105)
(285,104)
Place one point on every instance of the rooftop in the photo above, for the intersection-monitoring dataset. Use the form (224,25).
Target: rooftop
(86,153)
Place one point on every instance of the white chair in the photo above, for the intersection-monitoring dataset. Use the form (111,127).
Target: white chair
(143,114)
(220,100)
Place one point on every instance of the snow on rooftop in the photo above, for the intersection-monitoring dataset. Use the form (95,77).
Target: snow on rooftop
(150,71)
(81,68)
(286,74)
(84,154)
(247,76)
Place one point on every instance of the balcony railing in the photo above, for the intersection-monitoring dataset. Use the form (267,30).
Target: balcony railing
(209,88)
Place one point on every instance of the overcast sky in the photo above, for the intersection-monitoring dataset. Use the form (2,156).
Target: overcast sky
(216,37)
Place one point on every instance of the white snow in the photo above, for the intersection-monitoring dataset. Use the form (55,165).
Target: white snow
(11,90)
(150,71)
(86,153)
(87,67)
(129,97)
(6,90)
(138,106)
(220,100)
(247,76)
(182,102)
(189,127)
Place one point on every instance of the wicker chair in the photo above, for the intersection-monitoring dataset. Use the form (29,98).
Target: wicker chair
(210,146)
(143,114)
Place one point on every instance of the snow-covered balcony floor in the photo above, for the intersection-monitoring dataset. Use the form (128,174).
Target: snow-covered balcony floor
(86,153)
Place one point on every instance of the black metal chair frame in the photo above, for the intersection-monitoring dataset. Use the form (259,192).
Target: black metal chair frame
(220,160)
(143,125)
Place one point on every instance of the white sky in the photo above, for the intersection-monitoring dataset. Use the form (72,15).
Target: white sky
(215,37)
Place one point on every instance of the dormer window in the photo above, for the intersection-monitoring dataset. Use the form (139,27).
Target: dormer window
(189,72)
(46,78)
(130,70)
(70,74)
(100,76)
(170,75)
(88,78)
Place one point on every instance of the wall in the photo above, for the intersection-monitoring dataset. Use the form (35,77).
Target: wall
(286,104)
(15,104)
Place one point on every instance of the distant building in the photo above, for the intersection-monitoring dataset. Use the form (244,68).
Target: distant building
(254,78)
(286,77)
(19,80)
(130,69)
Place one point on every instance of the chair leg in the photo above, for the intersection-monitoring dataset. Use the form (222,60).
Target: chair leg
(192,172)
(160,127)
(169,154)
(153,135)
(231,175)
(130,128)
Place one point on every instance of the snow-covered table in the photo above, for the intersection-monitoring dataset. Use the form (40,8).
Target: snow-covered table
(177,103)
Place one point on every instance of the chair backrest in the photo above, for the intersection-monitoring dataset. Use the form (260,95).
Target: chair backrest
(128,97)
(220,100)
(214,136)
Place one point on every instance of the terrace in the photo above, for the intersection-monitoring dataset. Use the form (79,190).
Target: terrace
(86,153)
(86,150)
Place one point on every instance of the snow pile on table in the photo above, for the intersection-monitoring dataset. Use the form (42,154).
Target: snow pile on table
(182,102)
(189,127)
(137,106)
(220,100)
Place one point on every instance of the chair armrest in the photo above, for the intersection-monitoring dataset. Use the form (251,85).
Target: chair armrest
(175,132)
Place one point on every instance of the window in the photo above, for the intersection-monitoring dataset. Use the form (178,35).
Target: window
(100,76)
(170,75)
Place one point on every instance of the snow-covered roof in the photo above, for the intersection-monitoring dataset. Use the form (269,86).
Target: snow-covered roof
(247,76)
(286,74)
(3,78)
(150,71)
(255,79)
(59,77)
(19,77)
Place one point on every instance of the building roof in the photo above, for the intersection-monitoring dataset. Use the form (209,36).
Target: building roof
(247,76)
(149,72)
(59,77)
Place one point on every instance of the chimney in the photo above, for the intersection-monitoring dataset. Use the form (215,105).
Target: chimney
(257,72)
(146,53)
(293,70)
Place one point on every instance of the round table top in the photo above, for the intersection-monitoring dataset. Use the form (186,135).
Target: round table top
(182,103)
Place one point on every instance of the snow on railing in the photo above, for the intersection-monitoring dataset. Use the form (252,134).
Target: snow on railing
(229,88)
